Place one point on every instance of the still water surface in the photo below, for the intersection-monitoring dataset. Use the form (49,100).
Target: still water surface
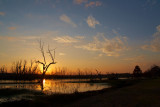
(50,86)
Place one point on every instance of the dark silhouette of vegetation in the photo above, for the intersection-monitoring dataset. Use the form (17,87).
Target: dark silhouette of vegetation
(24,72)
(20,70)
(137,72)
(3,70)
(113,76)
(99,74)
(153,72)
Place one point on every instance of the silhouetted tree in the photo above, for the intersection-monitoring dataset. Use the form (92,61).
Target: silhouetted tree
(44,64)
(137,72)
(154,71)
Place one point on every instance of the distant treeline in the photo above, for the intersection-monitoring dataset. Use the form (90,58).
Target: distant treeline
(14,76)
(152,72)
(21,70)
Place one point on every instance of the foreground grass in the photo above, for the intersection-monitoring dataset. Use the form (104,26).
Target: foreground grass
(125,93)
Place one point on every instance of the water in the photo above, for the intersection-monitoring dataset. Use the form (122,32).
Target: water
(50,86)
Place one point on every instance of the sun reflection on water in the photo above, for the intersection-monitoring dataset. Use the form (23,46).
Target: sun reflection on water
(44,81)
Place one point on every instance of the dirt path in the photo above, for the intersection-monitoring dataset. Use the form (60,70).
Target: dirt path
(143,94)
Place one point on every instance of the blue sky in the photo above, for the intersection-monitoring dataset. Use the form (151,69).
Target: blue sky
(119,33)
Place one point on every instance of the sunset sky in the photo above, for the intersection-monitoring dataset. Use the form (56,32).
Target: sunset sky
(108,35)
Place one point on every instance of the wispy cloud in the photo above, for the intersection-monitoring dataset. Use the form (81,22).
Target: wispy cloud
(110,47)
(92,22)
(2,14)
(134,58)
(154,44)
(87,4)
(79,1)
(93,4)
(79,37)
(62,54)
(12,28)
(44,35)
(8,38)
(65,39)
(66,19)
(19,38)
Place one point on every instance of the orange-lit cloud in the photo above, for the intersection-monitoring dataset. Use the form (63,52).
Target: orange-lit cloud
(62,54)
(93,4)
(92,22)
(66,19)
(9,38)
(2,14)
(65,39)
(19,38)
(110,47)
(12,28)
(80,1)
(87,4)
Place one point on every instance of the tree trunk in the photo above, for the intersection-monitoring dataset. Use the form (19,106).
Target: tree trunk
(42,77)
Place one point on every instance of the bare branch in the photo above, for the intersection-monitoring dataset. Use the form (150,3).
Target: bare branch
(98,72)
(50,54)
(54,53)
(42,50)
(40,63)
(49,65)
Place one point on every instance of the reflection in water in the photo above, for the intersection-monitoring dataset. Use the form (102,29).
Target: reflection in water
(43,81)
(51,86)
(42,84)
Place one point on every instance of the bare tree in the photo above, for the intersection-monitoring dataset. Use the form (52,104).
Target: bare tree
(44,64)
